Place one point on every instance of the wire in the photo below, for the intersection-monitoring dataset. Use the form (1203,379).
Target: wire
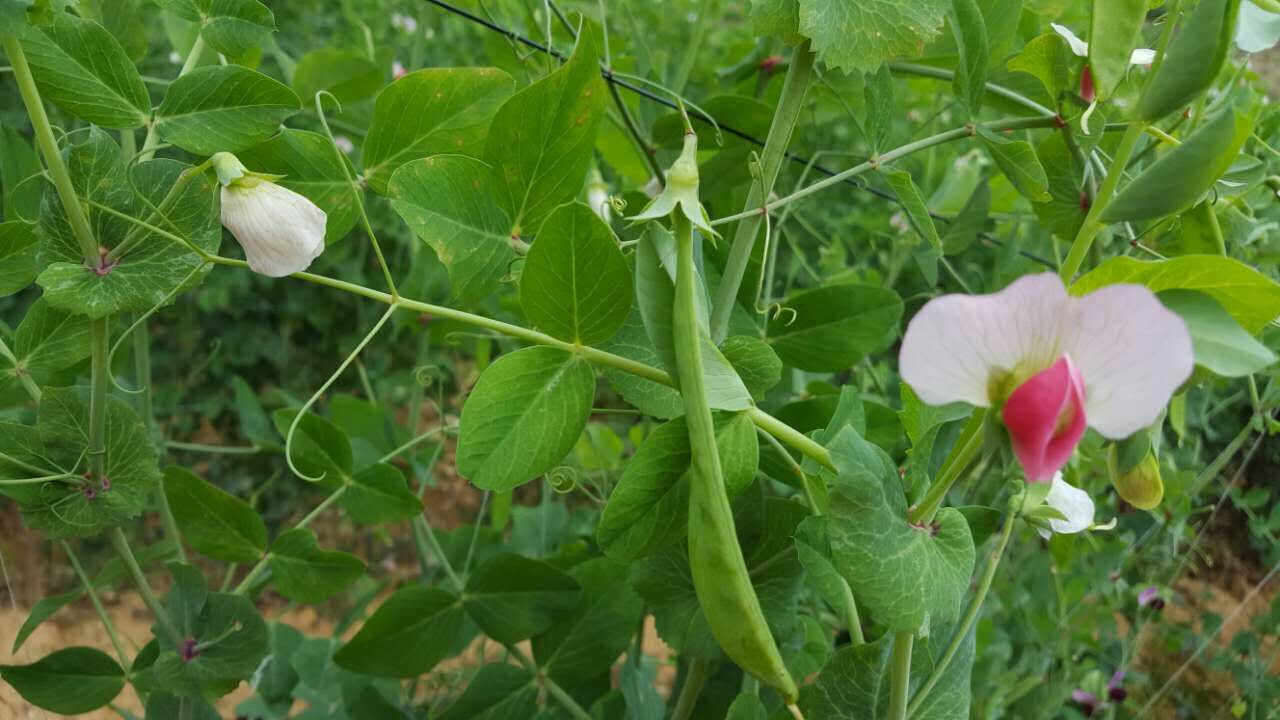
(607,74)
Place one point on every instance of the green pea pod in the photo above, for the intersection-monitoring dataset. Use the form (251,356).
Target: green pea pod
(1193,59)
(719,571)
(1177,181)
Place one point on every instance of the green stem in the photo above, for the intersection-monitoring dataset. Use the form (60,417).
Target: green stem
(1092,222)
(695,679)
(247,583)
(900,675)
(423,526)
(894,154)
(970,615)
(121,545)
(966,449)
(97,605)
(772,156)
(948,75)
(215,449)
(415,441)
(99,372)
(193,57)
(76,216)
(566,700)
(762,419)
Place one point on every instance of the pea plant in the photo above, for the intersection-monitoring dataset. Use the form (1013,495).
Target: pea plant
(868,360)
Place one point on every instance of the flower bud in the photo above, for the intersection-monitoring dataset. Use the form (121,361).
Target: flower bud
(281,231)
(1140,485)
(681,191)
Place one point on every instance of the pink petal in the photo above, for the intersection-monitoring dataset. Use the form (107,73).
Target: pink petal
(1045,418)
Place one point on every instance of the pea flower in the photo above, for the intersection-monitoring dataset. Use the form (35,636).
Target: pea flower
(1050,363)
(1150,597)
(281,231)
(1080,48)
(1075,505)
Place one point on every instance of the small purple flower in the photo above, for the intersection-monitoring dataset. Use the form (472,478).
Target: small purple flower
(1115,687)
(1087,701)
(1151,596)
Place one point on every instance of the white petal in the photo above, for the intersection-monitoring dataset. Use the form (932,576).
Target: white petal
(956,344)
(1074,504)
(1078,46)
(281,231)
(1142,56)
(1257,29)
(1132,352)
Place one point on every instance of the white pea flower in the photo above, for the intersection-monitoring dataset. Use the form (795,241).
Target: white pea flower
(407,23)
(1074,504)
(281,231)
(398,70)
(344,144)
(1257,29)
(598,196)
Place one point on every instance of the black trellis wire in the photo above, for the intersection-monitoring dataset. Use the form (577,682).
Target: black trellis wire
(607,74)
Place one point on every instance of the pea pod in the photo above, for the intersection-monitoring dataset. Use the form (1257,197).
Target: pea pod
(719,571)
(1176,181)
(1193,59)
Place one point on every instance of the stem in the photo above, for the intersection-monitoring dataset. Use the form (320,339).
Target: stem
(565,699)
(216,449)
(966,449)
(900,675)
(121,545)
(97,450)
(695,679)
(1089,229)
(783,127)
(943,74)
(97,605)
(970,615)
(142,377)
(894,154)
(28,383)
(193,57)
(49,150)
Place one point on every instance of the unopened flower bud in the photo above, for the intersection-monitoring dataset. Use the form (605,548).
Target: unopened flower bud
(1140,485)
(281,231)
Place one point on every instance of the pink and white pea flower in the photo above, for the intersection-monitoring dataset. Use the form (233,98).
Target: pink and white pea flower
(1051,364)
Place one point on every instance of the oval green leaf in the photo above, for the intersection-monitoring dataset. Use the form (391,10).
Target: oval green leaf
(223,108)
(835,326)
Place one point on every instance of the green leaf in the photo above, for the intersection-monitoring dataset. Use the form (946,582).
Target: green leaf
(254,424)
(234,27)
(906,577)
(154,265)
(47,341)
(13,17)
(834,326)
(1115,29)
(970,31)
(421,624)
(21,183)
(319,447)
(968,224)
(17,256)
(747,706)
(1252,298)
(70,681)
(513,598)
(1182,176)
(649,508)
(881,102)
(215,523)
(44,609)
(541,139)
(67,509)
(586,642)
(575,284)
(1045,58)
(80,67)
(223,108)
(1065,211)
(311,167)
(98,176)
(917,212)
(379,494)
(858,36)
(1018,161)
(430,112)
(227,629)
(777,17)
(1221,346)
(499,691)
(303,571)
(917,417)
(754,361)
(813,548)
(447,201)
(524,415)
(347,75)
(161,705)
